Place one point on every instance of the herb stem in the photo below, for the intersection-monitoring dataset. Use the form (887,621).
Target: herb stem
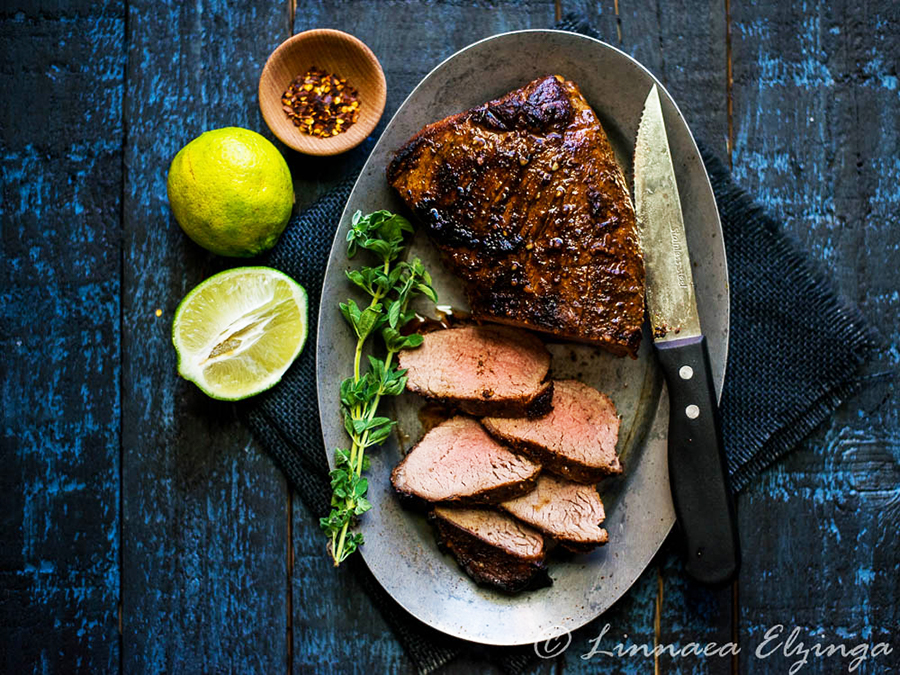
(372,410)
(339,554)
(390,286)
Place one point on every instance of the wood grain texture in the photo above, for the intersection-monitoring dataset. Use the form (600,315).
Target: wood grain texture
(204,509)
(682,44)
(409,38)
(207,529)
(61,169)
(815,115)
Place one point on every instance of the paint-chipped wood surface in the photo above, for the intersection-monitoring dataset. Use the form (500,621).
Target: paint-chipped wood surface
(144,530)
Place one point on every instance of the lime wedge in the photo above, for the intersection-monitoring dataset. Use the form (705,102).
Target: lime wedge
(239,331)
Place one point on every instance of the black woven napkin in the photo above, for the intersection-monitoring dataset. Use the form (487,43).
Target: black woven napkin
(793,350)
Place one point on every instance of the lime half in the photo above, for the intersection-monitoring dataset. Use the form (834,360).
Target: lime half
(239,331)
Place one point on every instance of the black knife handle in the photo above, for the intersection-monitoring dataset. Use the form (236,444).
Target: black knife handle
(697,470)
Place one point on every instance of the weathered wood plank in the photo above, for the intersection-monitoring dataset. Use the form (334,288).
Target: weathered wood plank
(683,44)
(681,601)
(815,116)
(205,511)
(334,624)
(61,168)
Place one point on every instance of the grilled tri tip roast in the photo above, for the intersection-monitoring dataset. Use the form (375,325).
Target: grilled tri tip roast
(525,200)
(482,370)
(458,462)
(568,512)
(492,548)
(576,440)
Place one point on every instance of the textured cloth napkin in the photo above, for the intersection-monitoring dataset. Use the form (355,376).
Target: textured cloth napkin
(794,348)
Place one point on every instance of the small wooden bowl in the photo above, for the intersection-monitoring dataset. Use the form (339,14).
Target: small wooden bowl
(338,53)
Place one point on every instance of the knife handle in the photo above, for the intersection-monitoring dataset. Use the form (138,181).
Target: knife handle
(697,470)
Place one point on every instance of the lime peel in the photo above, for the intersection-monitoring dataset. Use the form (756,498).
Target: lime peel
(231,191)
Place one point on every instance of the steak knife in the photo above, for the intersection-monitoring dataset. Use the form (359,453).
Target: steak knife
(703,502)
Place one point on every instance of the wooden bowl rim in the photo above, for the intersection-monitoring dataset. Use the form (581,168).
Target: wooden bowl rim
(311,145)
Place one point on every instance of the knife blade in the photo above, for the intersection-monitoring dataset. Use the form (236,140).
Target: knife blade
(704,505)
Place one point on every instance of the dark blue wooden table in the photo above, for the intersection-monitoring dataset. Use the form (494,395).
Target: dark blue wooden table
(144,531)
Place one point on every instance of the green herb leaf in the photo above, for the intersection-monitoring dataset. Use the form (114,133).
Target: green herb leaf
(394,314)
(359,490)
(413,341)
(367,321)
(426,290)
(362,505)
(392,339)
(377,368)
(391,285)
(348,425)
(357,278)
(378,436)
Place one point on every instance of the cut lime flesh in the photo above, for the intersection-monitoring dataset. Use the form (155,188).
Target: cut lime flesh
(239,331)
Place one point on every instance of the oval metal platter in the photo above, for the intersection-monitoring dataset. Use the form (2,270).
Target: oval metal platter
(400,547)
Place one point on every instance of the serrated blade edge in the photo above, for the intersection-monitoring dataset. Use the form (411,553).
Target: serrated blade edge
(671,303)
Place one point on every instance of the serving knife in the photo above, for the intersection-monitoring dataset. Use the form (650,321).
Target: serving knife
(703,502)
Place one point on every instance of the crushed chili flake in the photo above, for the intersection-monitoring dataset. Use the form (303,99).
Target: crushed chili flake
(321,103)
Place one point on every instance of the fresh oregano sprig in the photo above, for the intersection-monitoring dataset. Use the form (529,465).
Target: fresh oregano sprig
(390,285)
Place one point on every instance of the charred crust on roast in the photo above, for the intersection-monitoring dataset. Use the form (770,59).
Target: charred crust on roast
(535,406)
(538,109)
(488,565)
(542,403)
(578,549)
(526,203)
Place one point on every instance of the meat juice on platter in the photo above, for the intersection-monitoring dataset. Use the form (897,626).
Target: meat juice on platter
(526,204)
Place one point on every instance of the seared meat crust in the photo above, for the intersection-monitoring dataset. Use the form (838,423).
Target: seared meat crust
(492,548)
(525,200)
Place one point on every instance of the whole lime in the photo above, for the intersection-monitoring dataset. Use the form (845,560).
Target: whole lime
(231,191)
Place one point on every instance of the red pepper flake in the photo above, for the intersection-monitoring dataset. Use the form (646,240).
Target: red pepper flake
(321,103)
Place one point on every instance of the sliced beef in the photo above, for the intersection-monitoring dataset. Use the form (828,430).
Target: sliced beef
(494,549)
(482,370)
(525,200)
(576,440)
(458,461)
(569,512)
